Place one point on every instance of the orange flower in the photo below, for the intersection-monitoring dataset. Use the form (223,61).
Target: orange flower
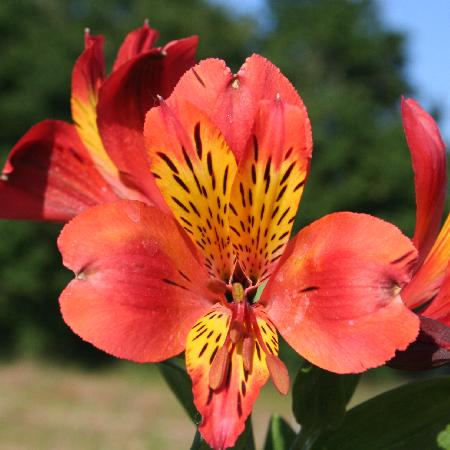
(230,155)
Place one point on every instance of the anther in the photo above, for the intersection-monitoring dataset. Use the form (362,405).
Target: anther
(217,286)
(278,373)
(248,347)
(219,368)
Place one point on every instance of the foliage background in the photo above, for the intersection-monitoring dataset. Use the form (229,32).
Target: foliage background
(347,67)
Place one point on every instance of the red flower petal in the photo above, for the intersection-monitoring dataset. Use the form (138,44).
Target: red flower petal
(428,158)
(428,279)
(439,308)
(231,102)
(136,42)
(268,186)
(125,98)
(89,70)
(334,296)
(49,175)
(87,77)
(139,286)
(225,407)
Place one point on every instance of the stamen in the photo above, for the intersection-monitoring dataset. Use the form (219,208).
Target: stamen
(219,367)
(277,369)
(278,373)
(248,347)
(237,328)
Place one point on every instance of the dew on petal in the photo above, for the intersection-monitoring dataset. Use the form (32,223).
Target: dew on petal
(133,211)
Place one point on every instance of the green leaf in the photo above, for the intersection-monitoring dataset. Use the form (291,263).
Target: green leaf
(246,440)
(279,435)
(443,438)
(409,417)
(319,398)
(199,443)
(181,385)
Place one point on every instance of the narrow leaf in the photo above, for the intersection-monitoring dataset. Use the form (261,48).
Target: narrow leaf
(319,397)
(246,440)
(199,443)
(409,417)
(279,435)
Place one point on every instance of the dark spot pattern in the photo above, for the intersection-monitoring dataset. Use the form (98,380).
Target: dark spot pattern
(196,180)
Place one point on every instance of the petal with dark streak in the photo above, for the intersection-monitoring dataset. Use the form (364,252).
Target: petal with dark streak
(335,294)
(224,410)
(194,169)
(139,285)
(268,186)
(50,176)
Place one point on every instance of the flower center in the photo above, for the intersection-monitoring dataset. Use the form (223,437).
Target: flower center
(244,336)
(238,292)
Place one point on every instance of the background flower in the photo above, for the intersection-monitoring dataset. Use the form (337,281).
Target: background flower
(56,170)
(428,291)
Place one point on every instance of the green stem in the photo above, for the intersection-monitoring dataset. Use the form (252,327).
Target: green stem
(305,439)
(197,441)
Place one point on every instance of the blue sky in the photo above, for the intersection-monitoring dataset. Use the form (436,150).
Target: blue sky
(427,26)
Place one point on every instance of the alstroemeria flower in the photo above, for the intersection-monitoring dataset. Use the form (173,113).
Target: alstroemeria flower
(428,292)
(57,169)
(230,154)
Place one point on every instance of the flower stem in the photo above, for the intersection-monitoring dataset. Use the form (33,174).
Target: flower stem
(305,439)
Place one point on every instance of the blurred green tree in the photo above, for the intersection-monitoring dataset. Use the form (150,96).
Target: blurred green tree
(350,73)
(347,67)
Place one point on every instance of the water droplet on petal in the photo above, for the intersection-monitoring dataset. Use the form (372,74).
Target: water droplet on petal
(133,211)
